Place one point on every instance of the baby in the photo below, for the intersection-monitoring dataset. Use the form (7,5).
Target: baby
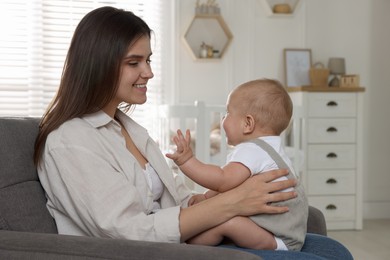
(257,113)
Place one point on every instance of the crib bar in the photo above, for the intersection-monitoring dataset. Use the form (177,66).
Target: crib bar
(198,117)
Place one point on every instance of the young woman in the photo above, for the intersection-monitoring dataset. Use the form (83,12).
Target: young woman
(102,173)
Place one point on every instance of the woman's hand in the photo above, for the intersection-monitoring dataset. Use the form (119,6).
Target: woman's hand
(201,197)
(196,199)
(252,197)
(256,194)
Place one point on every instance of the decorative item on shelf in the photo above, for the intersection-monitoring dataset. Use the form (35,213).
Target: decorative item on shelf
(206,51)
(210,53)
(210,7)
(350,81)
(319,75)
(282,9)
(336,67)
(297,63)
(203,50)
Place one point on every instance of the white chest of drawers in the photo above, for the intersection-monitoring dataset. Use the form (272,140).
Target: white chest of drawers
(331,140)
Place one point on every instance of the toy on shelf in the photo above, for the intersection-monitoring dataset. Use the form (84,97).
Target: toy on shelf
(210,7)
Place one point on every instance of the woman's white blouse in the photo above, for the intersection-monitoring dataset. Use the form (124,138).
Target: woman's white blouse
(95,187)
(155,185)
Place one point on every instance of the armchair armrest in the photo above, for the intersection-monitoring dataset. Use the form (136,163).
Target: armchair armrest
(316,222)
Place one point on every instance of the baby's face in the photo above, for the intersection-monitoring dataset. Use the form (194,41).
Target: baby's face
(233,121)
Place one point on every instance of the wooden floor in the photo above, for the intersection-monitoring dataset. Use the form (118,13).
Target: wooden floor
(371,243)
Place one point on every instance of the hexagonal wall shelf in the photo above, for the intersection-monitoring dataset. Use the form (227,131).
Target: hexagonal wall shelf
(207,30)
(280,7)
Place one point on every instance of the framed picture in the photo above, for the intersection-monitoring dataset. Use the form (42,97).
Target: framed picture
(297,63)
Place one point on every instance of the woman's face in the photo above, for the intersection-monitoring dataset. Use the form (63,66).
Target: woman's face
(135,74)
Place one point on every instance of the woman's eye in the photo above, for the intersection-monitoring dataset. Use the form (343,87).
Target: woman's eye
(133,63)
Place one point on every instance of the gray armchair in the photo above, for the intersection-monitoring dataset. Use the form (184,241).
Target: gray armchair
(28,231)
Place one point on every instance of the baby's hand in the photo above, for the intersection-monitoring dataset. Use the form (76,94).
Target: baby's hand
(196,199)
(183,148)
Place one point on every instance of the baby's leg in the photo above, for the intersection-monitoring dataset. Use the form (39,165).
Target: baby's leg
(246,233)
(242,231)
(211,237)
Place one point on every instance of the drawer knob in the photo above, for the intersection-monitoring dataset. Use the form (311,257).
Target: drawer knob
(331,129)
(331,155)
(331,181)
(332,104)
(331,207)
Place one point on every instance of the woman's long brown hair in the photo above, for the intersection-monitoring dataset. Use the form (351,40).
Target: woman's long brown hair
(92,67)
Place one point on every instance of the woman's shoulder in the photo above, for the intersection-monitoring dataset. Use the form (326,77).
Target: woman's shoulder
(74,123)
(74,126)
(75,131)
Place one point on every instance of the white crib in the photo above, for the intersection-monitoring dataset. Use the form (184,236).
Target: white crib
(201,119)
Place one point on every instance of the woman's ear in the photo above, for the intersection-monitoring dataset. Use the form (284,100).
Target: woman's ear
(249,124)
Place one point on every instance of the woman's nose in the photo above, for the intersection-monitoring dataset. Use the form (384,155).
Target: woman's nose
(147,73)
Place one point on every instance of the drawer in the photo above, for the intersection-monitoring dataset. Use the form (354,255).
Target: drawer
(334,182)
(331,156)
(335,207)
(335,130)
(332,105)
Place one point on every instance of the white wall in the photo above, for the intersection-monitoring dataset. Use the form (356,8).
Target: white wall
(377,177)
(357,30)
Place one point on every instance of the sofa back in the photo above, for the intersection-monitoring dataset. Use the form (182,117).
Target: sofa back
(22,199)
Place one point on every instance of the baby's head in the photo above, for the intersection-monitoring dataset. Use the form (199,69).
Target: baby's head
(267,101)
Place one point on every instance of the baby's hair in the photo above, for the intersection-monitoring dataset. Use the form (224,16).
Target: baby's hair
(268,102)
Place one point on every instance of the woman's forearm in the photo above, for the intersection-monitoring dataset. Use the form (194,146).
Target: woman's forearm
(204,215)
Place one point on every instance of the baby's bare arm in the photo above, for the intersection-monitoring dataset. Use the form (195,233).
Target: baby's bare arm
(210,176)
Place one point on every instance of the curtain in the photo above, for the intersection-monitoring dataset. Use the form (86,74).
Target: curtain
(35,36)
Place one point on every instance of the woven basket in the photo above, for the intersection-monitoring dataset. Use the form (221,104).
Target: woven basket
(319,75)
